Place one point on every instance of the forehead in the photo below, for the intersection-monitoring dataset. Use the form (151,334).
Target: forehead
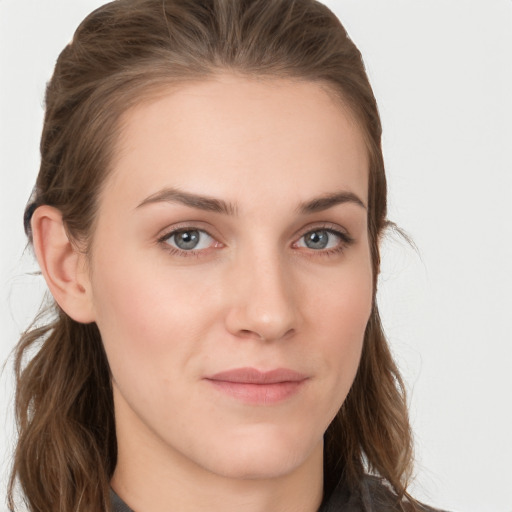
(232,134)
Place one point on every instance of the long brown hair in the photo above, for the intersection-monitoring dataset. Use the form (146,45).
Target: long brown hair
(120,54)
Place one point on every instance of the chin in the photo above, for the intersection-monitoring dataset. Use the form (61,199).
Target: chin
(263,456)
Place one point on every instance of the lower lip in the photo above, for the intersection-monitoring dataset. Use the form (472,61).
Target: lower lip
(260,394)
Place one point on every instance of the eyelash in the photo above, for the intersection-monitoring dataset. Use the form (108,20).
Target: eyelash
(174,251)
(345,241)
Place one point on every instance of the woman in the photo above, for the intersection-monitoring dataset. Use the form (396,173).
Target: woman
(207,217)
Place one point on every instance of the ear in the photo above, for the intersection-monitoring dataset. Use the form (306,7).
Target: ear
(63,266)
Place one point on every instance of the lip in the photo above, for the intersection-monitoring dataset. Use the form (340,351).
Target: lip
(253,386)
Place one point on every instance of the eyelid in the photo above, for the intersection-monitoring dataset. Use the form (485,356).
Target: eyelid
(192,225)
(327,226)
(187,226)
(345,238)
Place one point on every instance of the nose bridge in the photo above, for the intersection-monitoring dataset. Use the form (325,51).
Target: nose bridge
(263,303)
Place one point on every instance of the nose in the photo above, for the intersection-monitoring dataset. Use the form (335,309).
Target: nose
(263,302)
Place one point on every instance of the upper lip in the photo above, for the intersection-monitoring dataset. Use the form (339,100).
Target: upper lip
(254,376)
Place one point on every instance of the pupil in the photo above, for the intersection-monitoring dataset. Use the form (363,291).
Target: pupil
(187,239)
(317,240)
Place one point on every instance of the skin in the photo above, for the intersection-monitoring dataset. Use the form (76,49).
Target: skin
(254,294)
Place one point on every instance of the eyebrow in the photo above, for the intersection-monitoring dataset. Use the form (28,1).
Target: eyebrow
(211,204)
(200,202)
(327,201)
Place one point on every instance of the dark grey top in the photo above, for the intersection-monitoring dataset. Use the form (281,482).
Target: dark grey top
(373,496)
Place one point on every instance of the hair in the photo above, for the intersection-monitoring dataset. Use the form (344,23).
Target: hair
(120,55)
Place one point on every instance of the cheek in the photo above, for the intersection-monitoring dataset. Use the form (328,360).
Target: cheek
(344,340)
(342,302)
(335,319)
(145,315)
(338,317)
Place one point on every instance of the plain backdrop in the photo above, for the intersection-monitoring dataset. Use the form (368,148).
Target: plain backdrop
(442,74)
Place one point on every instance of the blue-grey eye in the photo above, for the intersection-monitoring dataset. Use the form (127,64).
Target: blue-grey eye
(190,239)
(320,239)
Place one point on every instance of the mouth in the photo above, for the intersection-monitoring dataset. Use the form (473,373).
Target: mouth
(253,386)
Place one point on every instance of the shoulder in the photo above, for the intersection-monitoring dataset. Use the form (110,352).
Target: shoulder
(372,495)
(377,496)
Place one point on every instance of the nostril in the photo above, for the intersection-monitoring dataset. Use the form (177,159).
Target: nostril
(249,334)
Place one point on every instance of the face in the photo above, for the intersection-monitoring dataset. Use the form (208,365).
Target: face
(230,273)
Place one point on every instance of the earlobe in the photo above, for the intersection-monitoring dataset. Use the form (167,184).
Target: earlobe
(62,264)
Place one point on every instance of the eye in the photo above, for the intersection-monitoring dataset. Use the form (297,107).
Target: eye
(189,239)
(322,239)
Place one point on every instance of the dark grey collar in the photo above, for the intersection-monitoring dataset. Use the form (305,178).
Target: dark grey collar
(117,504)
(372,496)
(340,501)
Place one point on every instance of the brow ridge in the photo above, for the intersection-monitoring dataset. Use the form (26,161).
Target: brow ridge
(327,201)
(201,202)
